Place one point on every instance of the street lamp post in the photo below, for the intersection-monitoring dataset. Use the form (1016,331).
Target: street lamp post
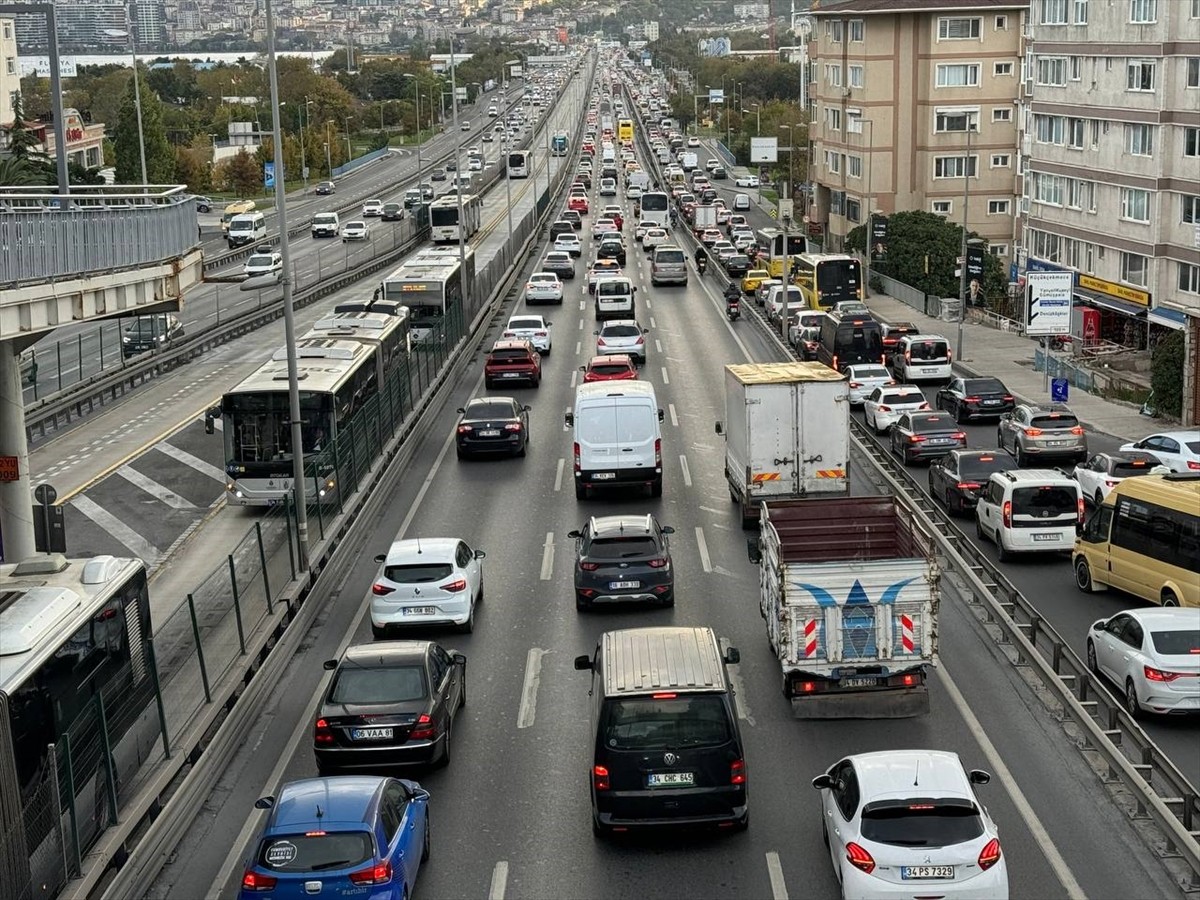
(870,195)
(417,96)
(788,220)
(328,159)
(962,281)
(462,247)
(137,90)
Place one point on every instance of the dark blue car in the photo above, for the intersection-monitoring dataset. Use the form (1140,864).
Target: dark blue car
(351,836)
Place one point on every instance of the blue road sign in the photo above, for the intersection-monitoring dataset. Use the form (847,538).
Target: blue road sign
(269,175)
(1060,390)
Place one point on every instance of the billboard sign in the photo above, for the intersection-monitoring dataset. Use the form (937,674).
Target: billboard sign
(1048,304)
(269,175)
(764,149)
(879,238)
(716,95)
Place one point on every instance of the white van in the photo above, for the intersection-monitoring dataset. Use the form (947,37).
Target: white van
(1029,511)
(326,225)
(922,357)
(773,305)
(614,298)
(246,228)
(618,442)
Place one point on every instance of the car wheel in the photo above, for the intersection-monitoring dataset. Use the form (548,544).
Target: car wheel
(580,491)
(1099,498)
(743,823)
(468,626)
(1169,599)
(1083,576)
(1002,554)
(1091,659)
(669,602)
(979,532)
(425,840)
(458,451)
(1021,457)
(378,633)
(950,503)
(521,452)
(656,488)
(1000,439)
(444,759)
(1132,706)
(582,605)
(958,415)
(598,830)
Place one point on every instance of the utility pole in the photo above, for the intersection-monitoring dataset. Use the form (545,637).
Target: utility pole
(962,281)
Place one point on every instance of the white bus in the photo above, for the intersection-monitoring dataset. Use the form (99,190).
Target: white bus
(518,163)
(444,223)
(430,283)
(655,209)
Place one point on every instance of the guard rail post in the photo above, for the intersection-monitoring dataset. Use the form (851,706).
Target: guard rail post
(262,561)
(237,604)
(199,648)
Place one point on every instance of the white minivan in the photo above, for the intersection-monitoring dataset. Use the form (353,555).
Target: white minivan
(617,438)
(1029,511)
(614,298)
(246,228)
(922,357)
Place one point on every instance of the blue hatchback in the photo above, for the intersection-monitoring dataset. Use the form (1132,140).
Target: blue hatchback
(351,836)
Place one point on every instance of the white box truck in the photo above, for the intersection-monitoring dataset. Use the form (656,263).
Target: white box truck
(688,161)
(787,433)
(849,592)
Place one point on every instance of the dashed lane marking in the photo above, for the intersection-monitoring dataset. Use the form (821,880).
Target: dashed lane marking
(702,546)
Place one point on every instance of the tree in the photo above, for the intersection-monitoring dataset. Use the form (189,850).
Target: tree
(1166,374)
(241,174)
(21,140)
(17,172)
(192,169)
(160,157)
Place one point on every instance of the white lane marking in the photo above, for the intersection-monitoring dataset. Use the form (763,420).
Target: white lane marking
(1040,834)
(188,460)
(653,324)
(666,379)
(574,375)
(687,473)
(658,345)
(548,556)
(775,872)
(705,561)
(649,305)
(533,677)
(582,305)
(116,528)
(674,418)
(156,490)
(578,347)
(499,881)
(558,474)
(581,324)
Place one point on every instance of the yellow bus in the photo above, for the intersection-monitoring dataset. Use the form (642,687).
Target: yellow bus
(625,131)
(779,246)
(1144,539)
(825,279)
(236,208)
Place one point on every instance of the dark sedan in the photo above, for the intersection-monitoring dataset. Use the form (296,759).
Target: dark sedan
(492,425)
(623,559)
(389,704)
(612,249)
(737,265)
(925,435)
(150,333)
(975,398)
(438,175)
(957,478)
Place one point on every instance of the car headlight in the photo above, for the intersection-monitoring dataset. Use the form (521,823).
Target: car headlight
(126,339)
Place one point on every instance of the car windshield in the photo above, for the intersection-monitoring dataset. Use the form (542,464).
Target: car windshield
(980,467)
(489,409)
(417,573)
(921,823)
(922,424)
(324,219)
(1054,420)
(389,684)
(315,852)
(526,323)
(147,327)
(661,723)
(928,349)
(623,547)
(871,372)
(1044,500)
(610,368)
(260,259)
(1181,642)
(983,386)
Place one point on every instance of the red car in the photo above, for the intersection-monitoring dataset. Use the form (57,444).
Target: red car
(589,147)
(512,360)
(613,367)
(578,203)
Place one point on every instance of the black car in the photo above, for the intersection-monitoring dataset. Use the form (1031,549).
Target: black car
(389,704)
(438,175)
(451,165)
(975,398)
(492,425)
(957,478)
(150,333)
(737,265)
(584,178)
(394,212)
(612,248)
(623,558)
(572,216)
(562,226)
(924,435)
(325,188)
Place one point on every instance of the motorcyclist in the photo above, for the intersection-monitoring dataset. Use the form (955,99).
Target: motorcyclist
(733,294)
(701,256)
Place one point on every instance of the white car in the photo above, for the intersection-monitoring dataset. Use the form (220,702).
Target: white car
(569,243)
(604,226)
(1104,471)
(1152,656)
(864,378)
(426,581)
(372,208)
(746,181)
(653,237)
(904,823)
(267,262)
(1177,450)
(693,142)
(885,405)
(741,201)
(543,287)
(355,231)
(535,329)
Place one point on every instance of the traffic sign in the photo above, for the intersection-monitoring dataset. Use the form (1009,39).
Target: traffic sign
(1060,390)
(9,471)
(1048,310)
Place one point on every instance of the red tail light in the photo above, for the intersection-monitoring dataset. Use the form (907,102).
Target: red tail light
(923,406)
(855,384)
(1153,674)
(658,453)
(576,455)
(513,426)
(1193,465)
(640,340)
(1009,398)
(959,435)
(657,563)
(883,408)
(1079,508)
(990,854)
(737,772)
(256,881)
(834,364)
(322,733)
(380,873)
(465,429)
(589,566)
(539,334)
(1006,512)
(970,399)
(600,341)
(1033,432)
(907,359)
(968,486)
(509,334)
(859,858)
(600,778)
(424,730)
(916,438)
(1077,430)
(381,590)
(949,354)
(453,587)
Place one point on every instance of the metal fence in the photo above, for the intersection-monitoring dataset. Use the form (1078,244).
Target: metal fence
(906,293)
(355,163)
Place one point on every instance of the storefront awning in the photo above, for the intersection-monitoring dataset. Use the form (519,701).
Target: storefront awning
(1112,303)
(1172,318)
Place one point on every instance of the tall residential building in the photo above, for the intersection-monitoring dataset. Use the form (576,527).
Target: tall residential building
(1111,165)
(149,23)
(912,103)
(10,74)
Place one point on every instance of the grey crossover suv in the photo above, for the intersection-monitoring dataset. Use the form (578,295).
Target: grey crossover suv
(623,559)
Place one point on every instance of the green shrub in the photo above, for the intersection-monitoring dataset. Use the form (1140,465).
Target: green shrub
(1166,374)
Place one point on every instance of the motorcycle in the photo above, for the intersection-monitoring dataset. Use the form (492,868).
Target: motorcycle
(733,310)
(702,264)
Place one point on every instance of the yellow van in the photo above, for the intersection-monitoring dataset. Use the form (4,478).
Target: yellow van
(236,208)
(1144,539)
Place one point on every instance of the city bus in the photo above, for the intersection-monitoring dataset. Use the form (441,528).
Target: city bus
(828,278)
(444,226)
(780,247)
(559,144)
(625,131)
(430,283)
(76,658)
(1144,539)
(518,163)
(655,209)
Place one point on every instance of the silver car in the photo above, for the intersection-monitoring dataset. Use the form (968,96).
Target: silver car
(1037,432)
(622,336)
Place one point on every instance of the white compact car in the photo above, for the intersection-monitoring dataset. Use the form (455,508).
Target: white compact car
(653,237)
(372,208)
(570,244)
(543,287)
(905,823)
(1177,450)
(267,262)
(426,581)
(864,378)
(1152,656)
(355,231)
(884,405)
(1104,471)
(750,181)
(535,329)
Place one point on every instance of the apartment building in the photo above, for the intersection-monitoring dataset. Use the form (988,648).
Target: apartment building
(10,75)
(913,105)
(1110,150)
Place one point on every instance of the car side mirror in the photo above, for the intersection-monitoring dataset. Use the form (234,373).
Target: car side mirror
(419,794)
(660,415)
(823,782)
(210,418)
(583,663)
(978,776)
(479,554)
(732,656)
(645,331)
(575,534)
(267,802)
(526,408)
(596,333)
(329,665)
(461,410)
(569,418)
(719,429)
(635,290)
(381,558)
(548,323)
(1099,626)
(754,550)
(667,529)
(458,658)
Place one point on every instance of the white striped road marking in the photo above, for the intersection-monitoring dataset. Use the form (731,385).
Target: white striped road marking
(705,561)
(582,305)
(578,347)
(499,881)
(558,474)
(574,375)
(117,529)
(775,872)
(548,556)
(188,460)
(666,380)
(658,345)
(156,490)
(674,418)
(533,677)
(649,304)
(653,324)
(687,473)
(581,324)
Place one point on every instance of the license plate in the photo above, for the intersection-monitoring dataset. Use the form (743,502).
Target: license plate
(371,734)
(929,371)
(937,442)
(912,872)
(622,585)
(510,375)
(1059,443)
(489,432)
(859,682)
(671,779)
(603,476)
(991,402)
(420,610)
(1047,537)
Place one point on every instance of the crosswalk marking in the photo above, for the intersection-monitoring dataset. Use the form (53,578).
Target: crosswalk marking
(154,489)
(195,462)
(117,529)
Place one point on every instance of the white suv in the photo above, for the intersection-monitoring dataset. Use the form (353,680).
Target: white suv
(1029,511)
(922,357)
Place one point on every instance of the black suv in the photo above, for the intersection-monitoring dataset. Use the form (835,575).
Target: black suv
(612,248)
(666,749)
(619,558)
(975,398)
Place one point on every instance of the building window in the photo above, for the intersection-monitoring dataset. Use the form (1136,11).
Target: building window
(1051,71)
(1081,12)
(1049,129)
(942,207)
(1191,142)
(858,31)
(1081,194)
(7,32)
(1135,205)
(1002,68)
(1048,188)
(1076,67)
(998,249)
(945,120)
(837,202)
(999,207)
(1195,11)
(1075,132)
(1139,75)
(835,118)
(1193,71)
(1045,245)
(1189,278)
(833,162)
(853,210)
(959,29)
(1191,210)
(958,75)
(1054,12)
(1142,12)
(1077,254)
(954,166)
(1134,268)
(1139,139)
(834,30)
(854,166)
(1001,160)
(10,66)
(833,74)
(856,75)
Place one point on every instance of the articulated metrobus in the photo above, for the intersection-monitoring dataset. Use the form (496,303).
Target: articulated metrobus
(625,131)
(781,247)
(828,278)
(518,163)
(444,225)
(430,283)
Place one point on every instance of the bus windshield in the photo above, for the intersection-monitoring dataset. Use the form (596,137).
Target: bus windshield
(260,426)
(654,201)
(444,215)
(839,279)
